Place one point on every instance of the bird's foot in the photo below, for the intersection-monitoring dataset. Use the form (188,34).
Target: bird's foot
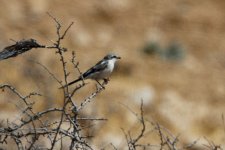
(106,80)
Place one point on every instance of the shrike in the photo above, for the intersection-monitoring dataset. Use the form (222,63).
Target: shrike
(101,70)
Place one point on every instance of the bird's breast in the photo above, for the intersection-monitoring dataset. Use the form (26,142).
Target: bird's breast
(108,70)
(110,66)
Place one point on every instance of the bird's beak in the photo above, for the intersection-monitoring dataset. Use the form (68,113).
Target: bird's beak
(118,57)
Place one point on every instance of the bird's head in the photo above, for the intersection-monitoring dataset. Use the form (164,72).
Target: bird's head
(111,56)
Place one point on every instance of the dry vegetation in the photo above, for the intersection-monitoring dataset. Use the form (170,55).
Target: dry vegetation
(173,59)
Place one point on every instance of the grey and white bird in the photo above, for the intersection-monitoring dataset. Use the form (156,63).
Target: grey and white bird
(100,71)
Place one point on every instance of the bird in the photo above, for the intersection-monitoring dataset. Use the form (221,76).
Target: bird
(101,71)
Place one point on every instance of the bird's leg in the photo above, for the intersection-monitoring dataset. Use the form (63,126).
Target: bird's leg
(100,84)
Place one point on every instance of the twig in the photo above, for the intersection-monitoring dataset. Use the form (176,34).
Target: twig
(49,72)
(132,143)
(88,99)
(24,98)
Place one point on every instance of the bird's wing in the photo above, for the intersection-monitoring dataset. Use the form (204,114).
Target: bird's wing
(101,65)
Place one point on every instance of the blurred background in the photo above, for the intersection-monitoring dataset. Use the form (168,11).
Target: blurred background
(173,58)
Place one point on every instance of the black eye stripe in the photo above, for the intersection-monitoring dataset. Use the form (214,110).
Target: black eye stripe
(110,57)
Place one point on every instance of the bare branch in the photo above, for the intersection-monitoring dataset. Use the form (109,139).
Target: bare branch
(49,72)
(89,98)
(64,34)
(24,98)
(143,125)
(132,143)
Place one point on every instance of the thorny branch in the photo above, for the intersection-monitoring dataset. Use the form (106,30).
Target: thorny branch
(132,143)
(60,50)
(24,98)
(27,130)
(167,141)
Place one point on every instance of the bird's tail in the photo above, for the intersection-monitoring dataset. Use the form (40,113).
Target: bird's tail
(71,83)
